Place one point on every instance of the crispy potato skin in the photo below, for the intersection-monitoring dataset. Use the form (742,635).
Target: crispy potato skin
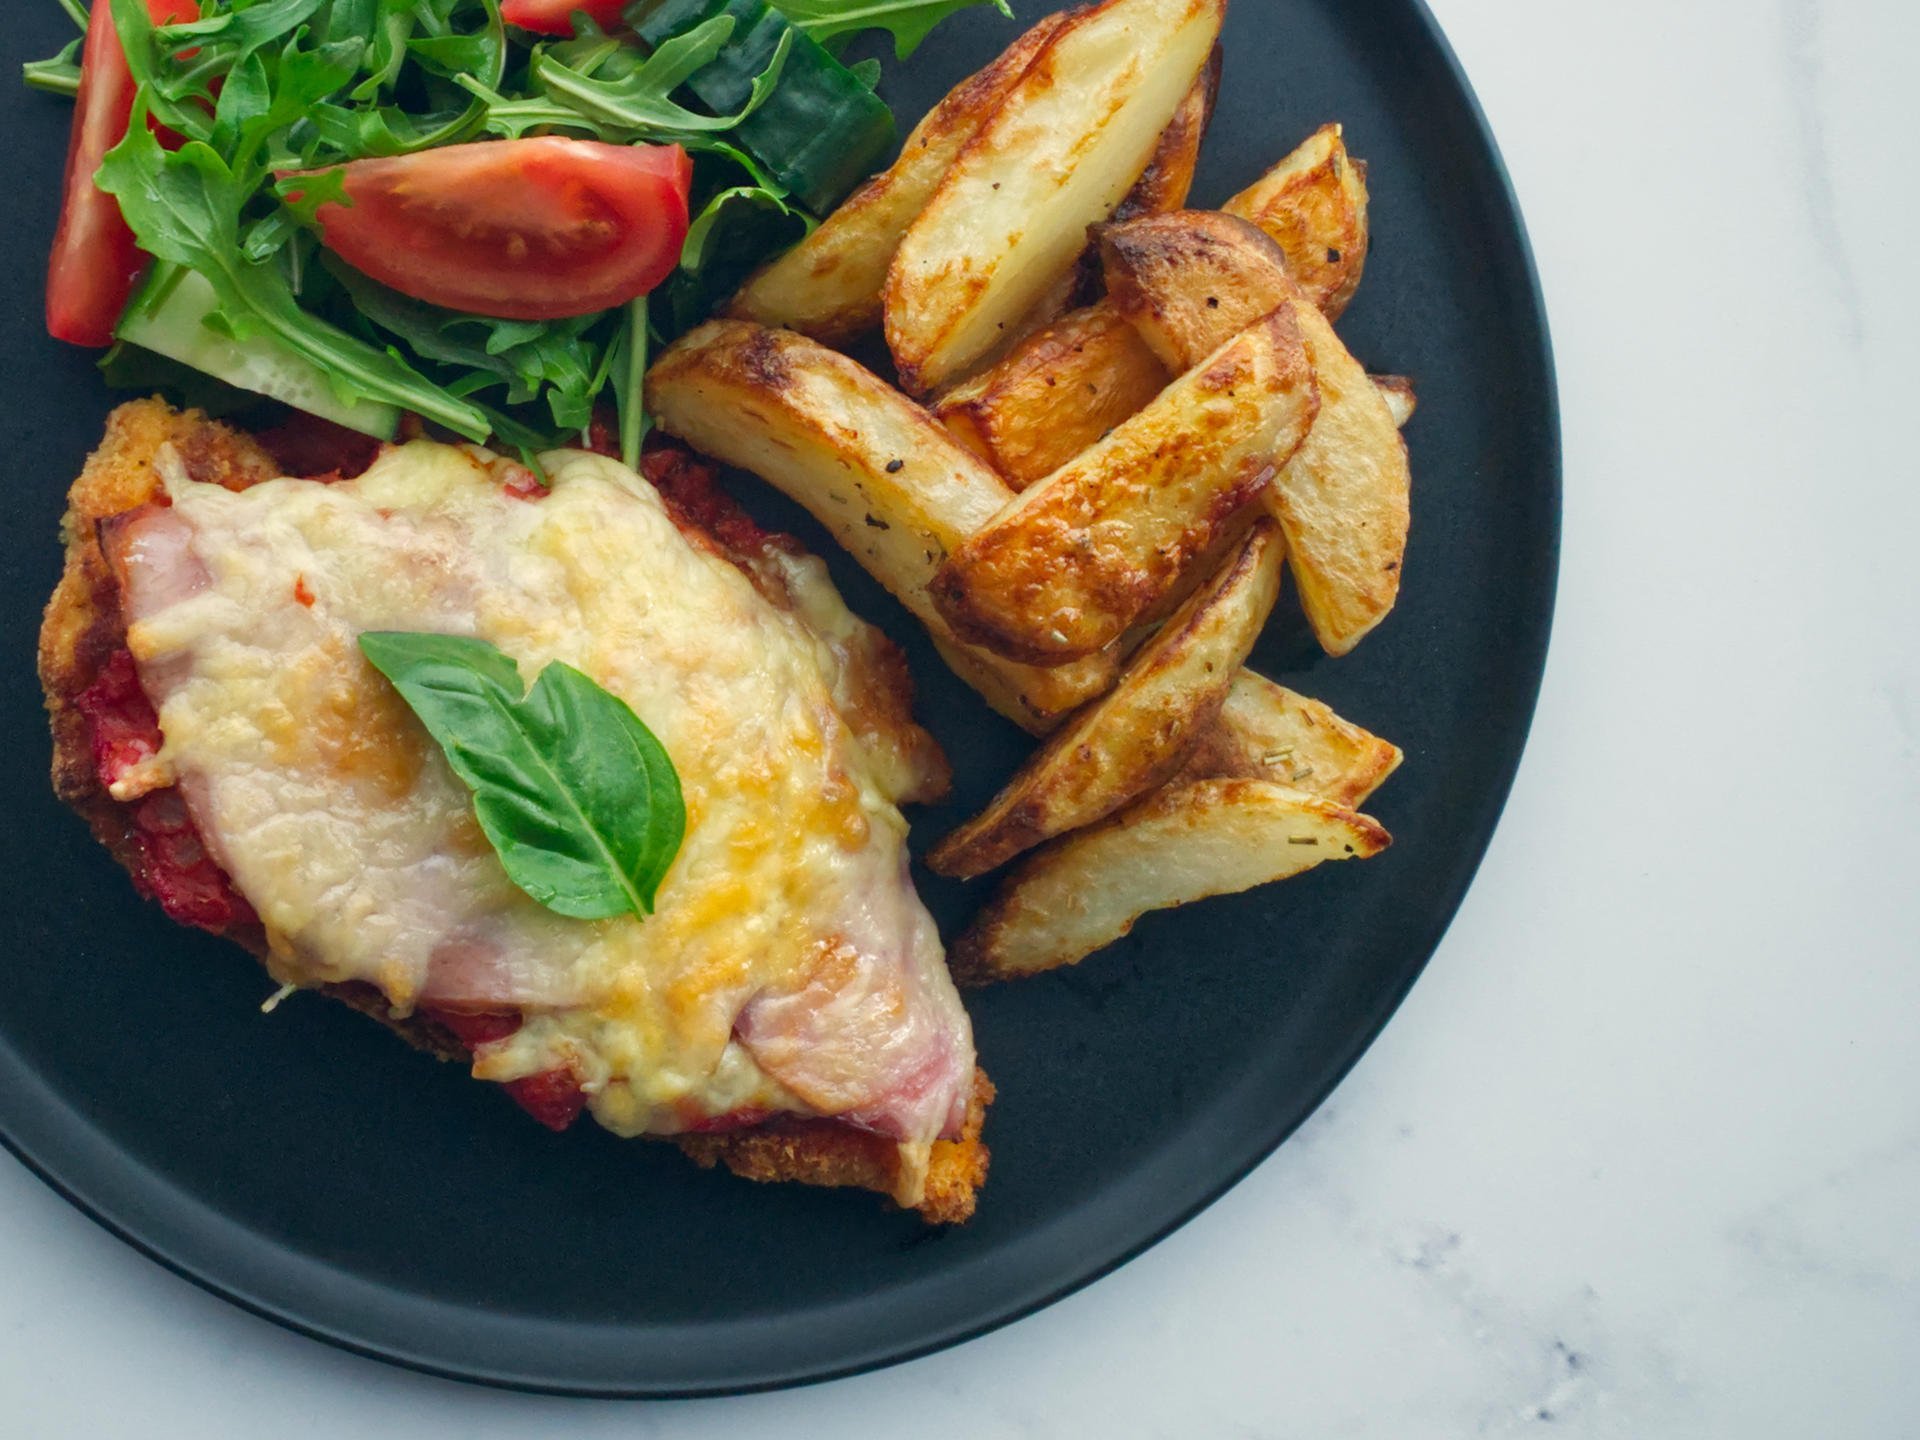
(1133,739)
(1191,280)
(890,483)
(1067,144)
(1265,731)
(1055,395)
(828,286)
(1083,891)
(1314,204)
(1343,500)
(1076,560)
(84,626)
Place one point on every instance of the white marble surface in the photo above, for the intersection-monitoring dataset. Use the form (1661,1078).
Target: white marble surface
(1641,1156)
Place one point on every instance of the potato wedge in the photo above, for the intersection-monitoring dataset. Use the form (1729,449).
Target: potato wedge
(1055,395)
(1314,204)
(1168,180)
(828,286)
(1217,837)
(1131,740)
(1074,561)
(1191,280)
(1070,140)
(1066,387)
(1342,500)
(1397,391)
(1265,731)
(870,465)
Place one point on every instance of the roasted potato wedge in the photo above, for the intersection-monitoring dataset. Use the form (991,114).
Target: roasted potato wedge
(1074,561)
(1216,837)
(1168,179)
(1132,739)
(1397,391)
(870,465)
(1068,142)
(828,286)
(1055,395)
(1265,731)
(1190,280)
(1314,204)
(1342,500)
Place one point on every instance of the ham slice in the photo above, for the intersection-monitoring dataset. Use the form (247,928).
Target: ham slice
(789,967)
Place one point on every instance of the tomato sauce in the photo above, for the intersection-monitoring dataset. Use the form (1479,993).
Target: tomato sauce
(171,864)
(553,1097)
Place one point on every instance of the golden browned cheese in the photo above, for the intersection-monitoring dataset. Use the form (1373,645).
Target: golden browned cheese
(84,626)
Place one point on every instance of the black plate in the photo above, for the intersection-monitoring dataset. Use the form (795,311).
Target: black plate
(311,1168)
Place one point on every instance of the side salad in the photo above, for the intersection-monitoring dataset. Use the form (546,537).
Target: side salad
(485,213)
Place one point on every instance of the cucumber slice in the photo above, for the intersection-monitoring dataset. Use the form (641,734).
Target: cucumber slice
(169,315)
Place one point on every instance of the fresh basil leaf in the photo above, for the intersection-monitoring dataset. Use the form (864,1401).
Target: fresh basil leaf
(579,798)
(908,21)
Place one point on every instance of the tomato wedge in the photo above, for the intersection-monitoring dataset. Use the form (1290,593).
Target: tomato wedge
(520,229)
(555,17)
(95,260)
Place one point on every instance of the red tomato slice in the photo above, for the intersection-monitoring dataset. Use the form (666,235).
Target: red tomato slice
(555,17)
(520,229)
(95,260)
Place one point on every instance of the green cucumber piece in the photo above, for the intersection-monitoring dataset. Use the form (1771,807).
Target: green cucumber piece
(820,133)
(169,316)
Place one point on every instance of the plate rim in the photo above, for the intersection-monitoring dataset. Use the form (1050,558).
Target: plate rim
(1530,666)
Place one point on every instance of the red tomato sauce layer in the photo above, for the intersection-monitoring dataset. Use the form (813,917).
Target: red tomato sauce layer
(172,865)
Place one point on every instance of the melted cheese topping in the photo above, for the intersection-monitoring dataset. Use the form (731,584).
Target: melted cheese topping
(789,965)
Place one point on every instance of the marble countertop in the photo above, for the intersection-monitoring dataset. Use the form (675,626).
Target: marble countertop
(1641,1155)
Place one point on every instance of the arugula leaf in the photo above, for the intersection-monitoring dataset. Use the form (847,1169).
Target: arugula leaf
(908,21)
(185,207)
(579,798)
(637,104)
(630,398)
(59,75)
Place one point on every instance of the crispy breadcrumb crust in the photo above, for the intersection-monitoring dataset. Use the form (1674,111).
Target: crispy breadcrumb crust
(84,627)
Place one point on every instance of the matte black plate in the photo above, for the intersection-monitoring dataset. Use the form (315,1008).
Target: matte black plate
(310,1167)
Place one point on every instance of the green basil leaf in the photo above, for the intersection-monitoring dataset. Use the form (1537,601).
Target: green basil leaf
(579,798)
